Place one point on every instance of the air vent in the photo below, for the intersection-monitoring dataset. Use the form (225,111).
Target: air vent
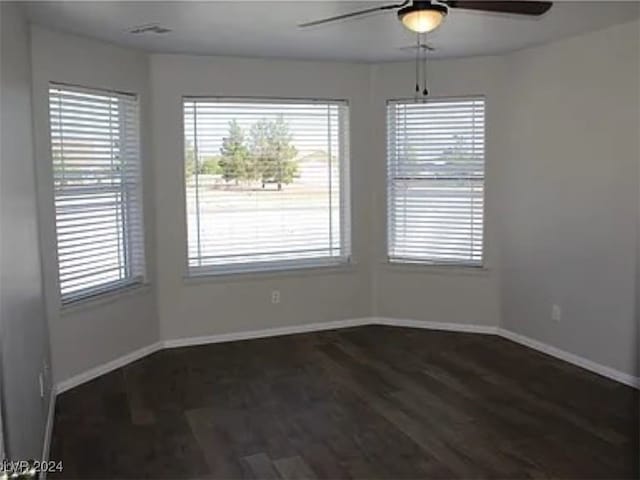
(149,28)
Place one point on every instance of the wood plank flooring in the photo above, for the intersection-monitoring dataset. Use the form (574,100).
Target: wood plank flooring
(368,402)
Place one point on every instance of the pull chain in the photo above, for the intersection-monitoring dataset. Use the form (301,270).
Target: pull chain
(417,65)
(425,92)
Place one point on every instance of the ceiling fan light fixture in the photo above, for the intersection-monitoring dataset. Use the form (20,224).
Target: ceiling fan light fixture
(422,17)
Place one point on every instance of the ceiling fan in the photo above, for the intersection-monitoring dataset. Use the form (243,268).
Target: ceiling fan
(425,16)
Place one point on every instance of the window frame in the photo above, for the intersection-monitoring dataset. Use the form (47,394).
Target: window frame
(212,272)
(439,265)
(134,280)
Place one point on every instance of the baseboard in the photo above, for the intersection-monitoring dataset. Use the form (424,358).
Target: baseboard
(347,323)
(107,367)
(429,325)
(84,377)
(572,358)
(267,332)
(333,325)
(48,432)
(577,360)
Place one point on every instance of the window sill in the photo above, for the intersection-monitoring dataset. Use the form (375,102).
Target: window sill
(243,275)
(105,298)
(436,269)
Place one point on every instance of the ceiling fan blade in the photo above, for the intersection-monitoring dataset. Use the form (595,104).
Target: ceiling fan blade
(353,14)
(518,8)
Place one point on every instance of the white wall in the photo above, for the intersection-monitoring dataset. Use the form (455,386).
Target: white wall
(90,334)
(570,202)
(242,302)
(455,295)
(561,199)
(24,343)
(218,306)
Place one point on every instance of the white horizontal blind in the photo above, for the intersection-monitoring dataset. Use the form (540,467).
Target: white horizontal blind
(97,190)
(266,184)
(435,177)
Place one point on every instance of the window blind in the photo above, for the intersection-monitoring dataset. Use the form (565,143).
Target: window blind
(97,190)
(266,184)
(435,178)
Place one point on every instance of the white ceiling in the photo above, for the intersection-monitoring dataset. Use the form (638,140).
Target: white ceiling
(269,29)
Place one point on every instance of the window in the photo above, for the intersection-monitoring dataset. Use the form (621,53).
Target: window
(435,181)
(97,190)
(266,184)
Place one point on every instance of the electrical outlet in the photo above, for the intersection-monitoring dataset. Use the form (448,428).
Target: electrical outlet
(275,296)
(556,313)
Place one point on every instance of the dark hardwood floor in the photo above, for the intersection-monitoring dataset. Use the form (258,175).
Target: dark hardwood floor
(369,402)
